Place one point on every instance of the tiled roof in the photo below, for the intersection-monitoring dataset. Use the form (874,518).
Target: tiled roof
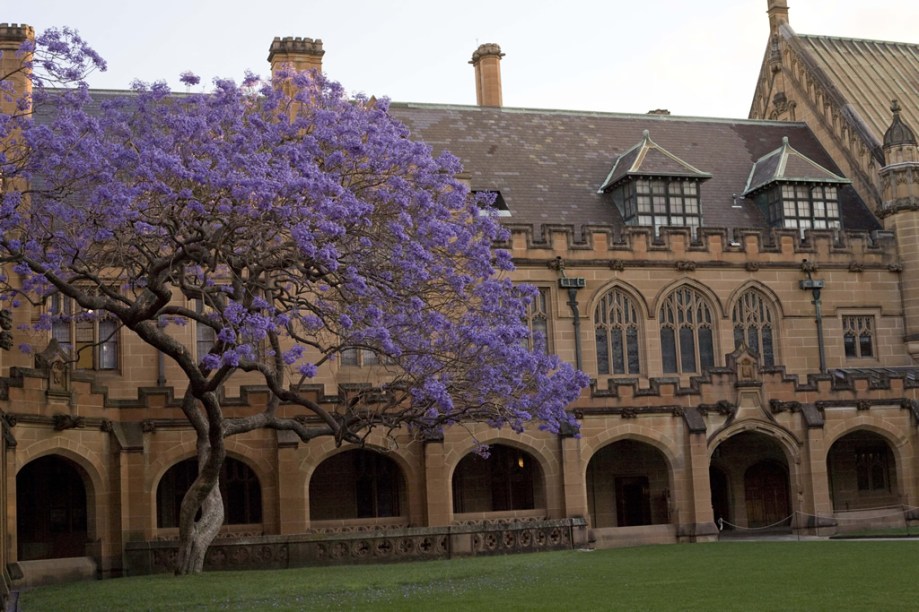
(867,74)
(647,158)
(788,165)
(549,165)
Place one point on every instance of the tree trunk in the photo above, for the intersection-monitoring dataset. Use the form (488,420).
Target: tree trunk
(197,532)
(193,546)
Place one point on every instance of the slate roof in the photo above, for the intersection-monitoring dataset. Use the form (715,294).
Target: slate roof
(549,165)
(866,75)
(647,158)
(788,165)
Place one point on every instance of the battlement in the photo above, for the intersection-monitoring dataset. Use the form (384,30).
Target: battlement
(295,45)
(737,245)
(15,33)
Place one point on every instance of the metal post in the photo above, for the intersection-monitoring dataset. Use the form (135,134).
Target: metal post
(573,302)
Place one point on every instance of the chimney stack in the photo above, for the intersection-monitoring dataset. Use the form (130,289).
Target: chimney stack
(298,54)
(487,63)
(12,36)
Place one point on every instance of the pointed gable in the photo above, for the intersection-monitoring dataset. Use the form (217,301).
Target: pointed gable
(647,158)
(787,165)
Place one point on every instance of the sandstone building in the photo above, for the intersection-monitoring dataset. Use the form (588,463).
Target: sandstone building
(744,294)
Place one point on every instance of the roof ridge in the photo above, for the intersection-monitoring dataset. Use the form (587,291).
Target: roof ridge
(855,39)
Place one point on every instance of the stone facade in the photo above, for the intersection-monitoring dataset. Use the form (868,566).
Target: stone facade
(783,395)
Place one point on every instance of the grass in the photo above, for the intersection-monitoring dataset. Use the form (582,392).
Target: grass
(811,575)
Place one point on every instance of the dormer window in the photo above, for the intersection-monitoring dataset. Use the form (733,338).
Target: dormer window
(795,192)
(659,202)
(801,206)
(653,187)
(497,208)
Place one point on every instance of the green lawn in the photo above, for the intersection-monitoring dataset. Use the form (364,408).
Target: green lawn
(812,575)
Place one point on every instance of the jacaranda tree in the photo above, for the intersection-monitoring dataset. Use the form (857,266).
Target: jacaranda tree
(295,223)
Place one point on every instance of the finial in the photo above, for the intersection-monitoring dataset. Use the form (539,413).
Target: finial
(784,141)
(895,106)
(646,134)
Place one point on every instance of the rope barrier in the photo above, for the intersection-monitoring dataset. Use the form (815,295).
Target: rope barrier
(789,520)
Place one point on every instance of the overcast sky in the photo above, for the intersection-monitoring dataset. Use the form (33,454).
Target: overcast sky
(694,58)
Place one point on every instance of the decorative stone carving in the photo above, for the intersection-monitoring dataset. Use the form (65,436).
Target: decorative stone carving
(56,362)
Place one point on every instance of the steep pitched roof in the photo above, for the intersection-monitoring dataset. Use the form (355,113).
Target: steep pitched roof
(866,74)
(647,158)
(788,165)
(549,165)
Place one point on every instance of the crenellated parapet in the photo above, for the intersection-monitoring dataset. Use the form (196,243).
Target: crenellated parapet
(718,397)
(620,248)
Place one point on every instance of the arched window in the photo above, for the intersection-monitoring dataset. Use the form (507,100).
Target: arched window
(239,488)
(616,322)
(754,325)
(356,484)
(508,479)
(687,343)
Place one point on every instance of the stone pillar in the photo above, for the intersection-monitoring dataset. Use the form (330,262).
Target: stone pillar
(439,508)
(487,63)
(815,482)
(292,494)
(700,525)
(574,488)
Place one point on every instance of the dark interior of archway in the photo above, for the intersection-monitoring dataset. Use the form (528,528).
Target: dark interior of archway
(50,510)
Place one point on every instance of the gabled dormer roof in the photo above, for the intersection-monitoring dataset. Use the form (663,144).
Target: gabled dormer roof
(787,165)
(647,158)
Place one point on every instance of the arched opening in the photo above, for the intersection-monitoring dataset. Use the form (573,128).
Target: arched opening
(357,484)
(721,495)
(508,479)
(749,480)
(628,484)
(862,472)
(239,488)
(51,509)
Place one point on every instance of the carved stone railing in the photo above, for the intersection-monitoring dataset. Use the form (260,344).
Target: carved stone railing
(332,547)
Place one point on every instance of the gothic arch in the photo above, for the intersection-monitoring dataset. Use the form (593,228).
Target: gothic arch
(790,444)
(259,497)
(709,295)
(548,463)
(767,291)
(628,288)
(753,328)
(620,335)
(358,483)
(511,478)
(651,436)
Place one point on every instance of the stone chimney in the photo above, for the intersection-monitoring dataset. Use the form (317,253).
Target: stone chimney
(778,14)
(12,36)
(299,54)
(487,63)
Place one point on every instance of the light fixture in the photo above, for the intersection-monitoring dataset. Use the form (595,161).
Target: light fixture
(734,198)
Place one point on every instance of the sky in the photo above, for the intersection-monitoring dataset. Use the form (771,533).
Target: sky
(693,58)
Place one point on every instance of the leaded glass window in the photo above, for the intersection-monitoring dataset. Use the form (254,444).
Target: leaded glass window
(660,202)
(91,337)
(803,206)
(538,321)
(858,336)
(617,331)
(754,325)
(687,337)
